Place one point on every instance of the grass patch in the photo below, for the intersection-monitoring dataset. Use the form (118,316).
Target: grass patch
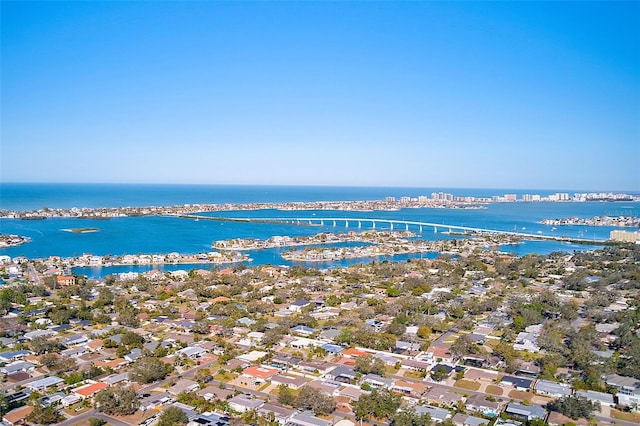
(390,370)
(521,395)
(494,390)
(629,417)
(414,375)
(76,409)
(225,376)
(467,384)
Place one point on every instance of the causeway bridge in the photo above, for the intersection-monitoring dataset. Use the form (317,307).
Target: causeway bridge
(388,224)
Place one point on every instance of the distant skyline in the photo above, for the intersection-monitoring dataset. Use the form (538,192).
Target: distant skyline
(411,94)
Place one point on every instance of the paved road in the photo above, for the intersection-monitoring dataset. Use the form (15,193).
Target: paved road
(93,413)
(33,275)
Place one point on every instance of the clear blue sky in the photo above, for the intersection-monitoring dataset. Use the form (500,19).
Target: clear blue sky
(428,94)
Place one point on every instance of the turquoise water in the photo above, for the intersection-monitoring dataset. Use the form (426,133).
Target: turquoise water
(134,235)
(28,196)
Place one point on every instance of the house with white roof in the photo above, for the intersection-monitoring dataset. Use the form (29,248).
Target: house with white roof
(549,388)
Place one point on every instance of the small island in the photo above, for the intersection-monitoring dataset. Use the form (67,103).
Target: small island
(7,240)
(81,230)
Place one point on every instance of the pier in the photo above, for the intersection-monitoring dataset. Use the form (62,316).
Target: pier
(375,223)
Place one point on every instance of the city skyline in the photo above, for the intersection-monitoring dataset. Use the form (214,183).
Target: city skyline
(425,94)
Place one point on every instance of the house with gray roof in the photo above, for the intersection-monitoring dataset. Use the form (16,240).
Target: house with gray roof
(133,355)
(519,383)
(437,414)
(466,420)
(341,374)
(628,389)
(243,403)
(329,335)
(549,388)
(74,351)
(16,367)
(479,403)
(44,384)
(192,352)
(307,419)
(377,382)
(526,412)
(601,397)
(74,340)
(281,414)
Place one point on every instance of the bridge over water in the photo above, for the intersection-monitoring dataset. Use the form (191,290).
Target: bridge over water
(372,223)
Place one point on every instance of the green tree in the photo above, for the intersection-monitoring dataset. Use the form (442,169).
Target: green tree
(117,400)
(172,416)
(285,395)
(369,364)
(380,403)
(149,369)
(439,373)
(316,400)
(45,416)
(574,406)
(94,421)
(409,417)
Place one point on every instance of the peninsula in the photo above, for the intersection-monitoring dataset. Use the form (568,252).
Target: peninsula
(438,200)
(622,221)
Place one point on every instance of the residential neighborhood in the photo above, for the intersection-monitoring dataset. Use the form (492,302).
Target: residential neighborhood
(484,338)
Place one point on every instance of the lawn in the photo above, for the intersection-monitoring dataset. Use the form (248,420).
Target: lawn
(467,384)
(521,395)
(630,417)
(494,390)
(414,375)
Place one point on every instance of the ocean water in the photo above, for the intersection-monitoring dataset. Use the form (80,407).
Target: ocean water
(29,196)
(132,235)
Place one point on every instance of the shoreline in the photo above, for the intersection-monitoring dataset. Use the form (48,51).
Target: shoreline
(388,204)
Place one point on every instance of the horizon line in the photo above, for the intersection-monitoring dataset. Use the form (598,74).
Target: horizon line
(318,185)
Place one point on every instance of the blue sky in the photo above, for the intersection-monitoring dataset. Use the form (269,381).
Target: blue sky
(427,94)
